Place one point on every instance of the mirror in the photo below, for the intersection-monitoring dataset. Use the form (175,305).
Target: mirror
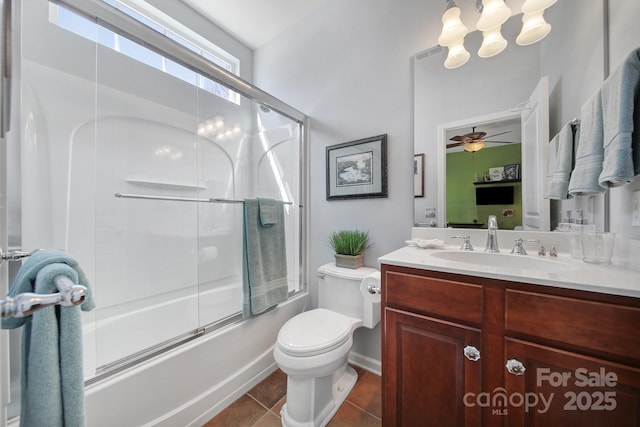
(466,96)
(487,181)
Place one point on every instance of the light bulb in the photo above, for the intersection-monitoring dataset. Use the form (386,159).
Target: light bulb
(534,28)
(494,13)
(492,43)
(452,27)
(458,55)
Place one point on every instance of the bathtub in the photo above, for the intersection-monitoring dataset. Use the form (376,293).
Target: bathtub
(188,385)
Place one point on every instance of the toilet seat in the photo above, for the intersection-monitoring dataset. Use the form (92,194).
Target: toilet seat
(314,332)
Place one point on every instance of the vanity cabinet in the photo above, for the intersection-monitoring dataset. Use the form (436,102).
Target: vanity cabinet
(574,356)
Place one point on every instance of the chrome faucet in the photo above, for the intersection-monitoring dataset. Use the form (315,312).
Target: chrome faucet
(492,235)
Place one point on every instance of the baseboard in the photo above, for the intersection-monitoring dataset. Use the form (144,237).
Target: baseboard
(364,362)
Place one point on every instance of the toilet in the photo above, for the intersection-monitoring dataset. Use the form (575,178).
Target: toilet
(312,348)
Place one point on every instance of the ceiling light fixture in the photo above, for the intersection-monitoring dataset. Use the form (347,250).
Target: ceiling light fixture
(534,27)
(458,56)
(492,43)
(494,13)
(474,146)
(452,27)
(452,36)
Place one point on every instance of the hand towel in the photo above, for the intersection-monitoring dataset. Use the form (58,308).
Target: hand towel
(52,384)
(268,212)
(590,150)
(619,101)
(558,186)
(264,260)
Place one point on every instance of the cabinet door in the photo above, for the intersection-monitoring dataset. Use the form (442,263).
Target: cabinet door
(560,388)
(426,374)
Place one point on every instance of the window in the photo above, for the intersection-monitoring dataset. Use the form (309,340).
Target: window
(163,24)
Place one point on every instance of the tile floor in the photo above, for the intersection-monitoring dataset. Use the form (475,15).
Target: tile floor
(260,407)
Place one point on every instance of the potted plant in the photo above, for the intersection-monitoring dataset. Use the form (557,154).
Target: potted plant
(349,247)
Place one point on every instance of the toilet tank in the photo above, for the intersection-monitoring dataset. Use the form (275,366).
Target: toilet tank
(339,289)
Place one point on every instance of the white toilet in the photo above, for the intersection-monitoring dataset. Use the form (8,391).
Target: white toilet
(312,347)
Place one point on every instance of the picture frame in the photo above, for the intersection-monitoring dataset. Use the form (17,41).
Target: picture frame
(496,174)
(418,175)
(357,169)
(512,172)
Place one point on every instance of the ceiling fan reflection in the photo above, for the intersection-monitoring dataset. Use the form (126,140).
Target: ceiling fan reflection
(475,141)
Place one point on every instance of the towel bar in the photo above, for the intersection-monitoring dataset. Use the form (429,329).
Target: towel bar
(13,255)
(182,199)
(27,303)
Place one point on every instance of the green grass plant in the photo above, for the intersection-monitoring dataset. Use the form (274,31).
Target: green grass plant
(349,242)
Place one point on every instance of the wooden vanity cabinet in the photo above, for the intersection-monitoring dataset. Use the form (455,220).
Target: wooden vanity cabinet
(572,344)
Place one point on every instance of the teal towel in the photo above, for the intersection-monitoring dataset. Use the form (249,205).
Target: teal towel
(558,179)
(52,384)
(590,150)
(264,261)
(268,211)
(619,101)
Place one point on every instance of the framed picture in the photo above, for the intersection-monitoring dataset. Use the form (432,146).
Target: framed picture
(418,175)
(495,174)
(357,169)
(512,171)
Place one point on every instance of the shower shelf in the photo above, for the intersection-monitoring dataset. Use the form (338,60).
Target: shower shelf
(164,184)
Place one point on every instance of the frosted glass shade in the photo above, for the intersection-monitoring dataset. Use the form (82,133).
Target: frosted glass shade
(531,6)
(492,43)
(452,27)
(534,28)
(494,13)
(472,147)
(458,55)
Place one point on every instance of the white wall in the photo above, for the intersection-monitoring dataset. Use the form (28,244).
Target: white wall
(348,67)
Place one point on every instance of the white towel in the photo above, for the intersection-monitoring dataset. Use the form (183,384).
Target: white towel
(558,185)
(552,153)
(590,151)
(619,97)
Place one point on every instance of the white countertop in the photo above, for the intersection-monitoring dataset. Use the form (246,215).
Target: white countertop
(572,274)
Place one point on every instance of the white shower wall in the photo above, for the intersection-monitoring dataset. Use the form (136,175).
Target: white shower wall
(95,123)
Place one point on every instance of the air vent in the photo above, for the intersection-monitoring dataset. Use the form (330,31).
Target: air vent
(436,50)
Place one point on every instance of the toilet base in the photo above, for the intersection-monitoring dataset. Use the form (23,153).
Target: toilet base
(319,412)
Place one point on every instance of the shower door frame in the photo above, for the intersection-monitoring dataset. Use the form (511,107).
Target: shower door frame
(113,19)
(117,21)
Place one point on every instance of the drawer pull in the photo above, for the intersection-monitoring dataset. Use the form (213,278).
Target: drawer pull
(471,353)
(515,367)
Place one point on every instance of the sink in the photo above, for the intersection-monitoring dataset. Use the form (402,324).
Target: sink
(521,262)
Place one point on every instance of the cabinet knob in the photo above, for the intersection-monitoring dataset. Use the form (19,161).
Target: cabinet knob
(471,353)
(515,367)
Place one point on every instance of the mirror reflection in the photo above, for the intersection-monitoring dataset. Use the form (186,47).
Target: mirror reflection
(449,103)
(483,167)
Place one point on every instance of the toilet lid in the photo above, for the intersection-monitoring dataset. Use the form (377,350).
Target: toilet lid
(314,332)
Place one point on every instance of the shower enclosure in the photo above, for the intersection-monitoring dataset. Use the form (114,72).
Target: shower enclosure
(133,152)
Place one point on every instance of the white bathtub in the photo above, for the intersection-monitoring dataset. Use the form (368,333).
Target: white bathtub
(193,382)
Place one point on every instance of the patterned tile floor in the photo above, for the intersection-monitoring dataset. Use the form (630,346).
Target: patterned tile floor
(260,407)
